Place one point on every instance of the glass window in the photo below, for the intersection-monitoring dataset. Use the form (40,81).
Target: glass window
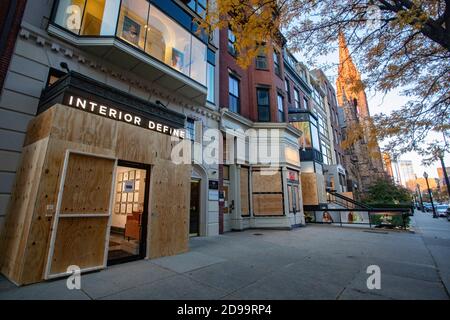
(199,6)
(169,42)
(280,104)
(69,14)
(315,137)
(233,88)
(263,100)
(261,59)
(288,89)
(210,83)
(276,62)
(133,22)
(305,103)
(100,17)
(198,64)
(231,42)
(305,141)
(190,129)
(297,99)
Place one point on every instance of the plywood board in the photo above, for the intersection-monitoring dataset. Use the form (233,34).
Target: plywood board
(15,234)
(244,183)
(169,218)
(79,241)
(87,185)
(262,181)
(268,205)
(309,189)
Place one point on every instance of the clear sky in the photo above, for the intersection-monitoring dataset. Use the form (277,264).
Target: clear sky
(380,102)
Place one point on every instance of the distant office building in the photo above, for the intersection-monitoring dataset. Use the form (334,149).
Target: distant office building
(406,172)
(440,173)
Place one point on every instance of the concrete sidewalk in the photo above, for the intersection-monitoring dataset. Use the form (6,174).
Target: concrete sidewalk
(315,262)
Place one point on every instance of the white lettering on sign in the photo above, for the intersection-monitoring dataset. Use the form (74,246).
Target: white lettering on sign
(112,113)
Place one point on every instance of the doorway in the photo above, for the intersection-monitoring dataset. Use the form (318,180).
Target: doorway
(195,207)
(128,232)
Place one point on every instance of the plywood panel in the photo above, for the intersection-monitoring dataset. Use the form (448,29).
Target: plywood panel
(73,125)
(142,146)
(20,210)
(309,189)
(169,219)
(39,235)
(40,127)
(79,241)
(268,205)
(87,186)
(262,181)
(244,176)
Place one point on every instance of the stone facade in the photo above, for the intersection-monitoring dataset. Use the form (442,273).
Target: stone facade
(363,159)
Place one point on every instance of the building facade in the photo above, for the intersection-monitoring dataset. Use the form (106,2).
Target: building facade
(116,86)
(259,190)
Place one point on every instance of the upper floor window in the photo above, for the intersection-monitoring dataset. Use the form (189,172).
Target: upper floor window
(231,42)
(297,99)
(140,25)
(288,89)
(190,129)
(233,96)
(261,60)
(210,83)
(263,100)
(305,103)
(276,62)
(280,104)
(199,6)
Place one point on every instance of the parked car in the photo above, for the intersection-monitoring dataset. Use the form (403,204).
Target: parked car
(448,213)
(427,207)
(441,210)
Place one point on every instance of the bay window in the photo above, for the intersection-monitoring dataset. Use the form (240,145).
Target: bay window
(140,25)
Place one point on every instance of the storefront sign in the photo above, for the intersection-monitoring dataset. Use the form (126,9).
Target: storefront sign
(120,115)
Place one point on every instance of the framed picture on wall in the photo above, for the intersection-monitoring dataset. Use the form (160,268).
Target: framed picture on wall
(131,31)
(177,59)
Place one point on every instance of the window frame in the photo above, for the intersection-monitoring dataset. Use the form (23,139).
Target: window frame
(263,106)
(280,112)
(231,77)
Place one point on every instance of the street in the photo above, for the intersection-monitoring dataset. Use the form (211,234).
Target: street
(314,262)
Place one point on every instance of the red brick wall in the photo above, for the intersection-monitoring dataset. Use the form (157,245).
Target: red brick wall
(249,80)
(12,30)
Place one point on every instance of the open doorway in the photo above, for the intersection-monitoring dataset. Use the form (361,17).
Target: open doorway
(194,221)
(128,231)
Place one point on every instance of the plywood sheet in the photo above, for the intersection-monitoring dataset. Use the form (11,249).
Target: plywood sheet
(169,218)
(79,241)
(268,205)
(266,181)
(87,185)
(15,234)
(309,189)
(244,183)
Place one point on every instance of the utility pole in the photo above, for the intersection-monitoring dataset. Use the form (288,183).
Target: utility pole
(441,157)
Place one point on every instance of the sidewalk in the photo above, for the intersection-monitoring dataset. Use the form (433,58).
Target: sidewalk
(315,262)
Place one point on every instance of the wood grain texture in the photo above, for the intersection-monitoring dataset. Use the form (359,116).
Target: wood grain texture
(244,184)
(263,181)
(79,241)
(169,203)
(87,186)
(268,205)
(309,189)
(15,233)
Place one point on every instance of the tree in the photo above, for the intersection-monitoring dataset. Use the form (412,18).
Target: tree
(398,43)
(385,192)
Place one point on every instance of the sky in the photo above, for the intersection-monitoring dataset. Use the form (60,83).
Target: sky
(386,103)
